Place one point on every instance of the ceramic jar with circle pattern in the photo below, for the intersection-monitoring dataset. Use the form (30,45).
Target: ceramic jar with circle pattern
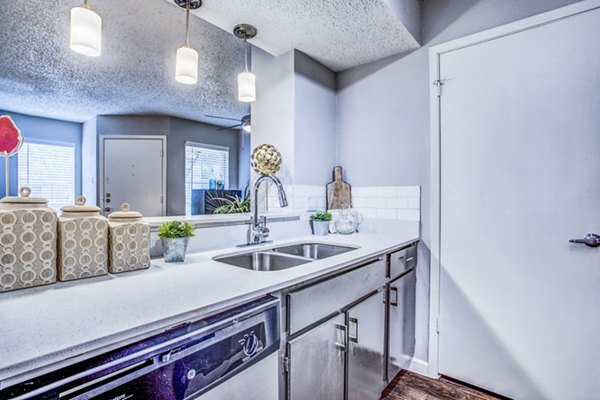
(82,242)
(27,242)
(129,241)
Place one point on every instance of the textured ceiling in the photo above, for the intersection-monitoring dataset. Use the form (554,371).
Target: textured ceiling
(135,74)
(338,33)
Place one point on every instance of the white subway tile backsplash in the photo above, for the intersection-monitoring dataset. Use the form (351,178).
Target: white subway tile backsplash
(359,202)
(414,203)
(381,202)
(376,202)
(386,191)
(387,213)
(397,202)
(409,191)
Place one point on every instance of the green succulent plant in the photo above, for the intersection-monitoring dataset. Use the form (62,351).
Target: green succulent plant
(176,230)
(322,216)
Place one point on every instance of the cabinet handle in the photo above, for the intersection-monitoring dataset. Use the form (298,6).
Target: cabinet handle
(394,303)
(355,322)
(405,259)
(342,345)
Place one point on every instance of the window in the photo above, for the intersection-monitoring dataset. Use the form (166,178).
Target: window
(49,170)
(204,164)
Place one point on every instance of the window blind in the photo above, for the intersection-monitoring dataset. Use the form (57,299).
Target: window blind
(49,170)
(203,163)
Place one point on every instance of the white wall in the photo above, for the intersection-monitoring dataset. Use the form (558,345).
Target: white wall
(314,121)
(295,111)
(88,161)
(383,113)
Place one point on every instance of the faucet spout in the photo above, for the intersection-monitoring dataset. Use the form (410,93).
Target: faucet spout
(258,231)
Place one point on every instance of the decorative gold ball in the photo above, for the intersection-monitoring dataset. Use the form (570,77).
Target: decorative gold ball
(266,159)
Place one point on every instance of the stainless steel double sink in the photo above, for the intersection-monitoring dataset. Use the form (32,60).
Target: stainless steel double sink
(283,257)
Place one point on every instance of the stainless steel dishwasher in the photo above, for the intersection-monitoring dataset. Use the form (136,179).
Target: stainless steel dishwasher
(189,361)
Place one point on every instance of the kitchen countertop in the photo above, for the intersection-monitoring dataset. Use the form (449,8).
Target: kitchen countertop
(63,323)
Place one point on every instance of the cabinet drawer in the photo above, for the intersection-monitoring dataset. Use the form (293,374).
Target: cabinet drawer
(402,260)
(309,305)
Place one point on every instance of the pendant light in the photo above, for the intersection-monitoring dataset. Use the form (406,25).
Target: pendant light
(186,65)
(86,31)
(246,79)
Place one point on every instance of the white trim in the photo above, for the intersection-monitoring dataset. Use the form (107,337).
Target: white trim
(435,132)
(419,366)
(102,138)
(207,146)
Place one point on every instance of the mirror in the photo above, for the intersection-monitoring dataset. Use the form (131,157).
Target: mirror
(119,127)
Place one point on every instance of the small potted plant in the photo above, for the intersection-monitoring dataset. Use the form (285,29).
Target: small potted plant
(320,222)
(174,236)
(220,184)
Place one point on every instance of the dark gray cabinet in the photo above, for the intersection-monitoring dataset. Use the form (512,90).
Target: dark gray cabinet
(316,362)
(366,347)
(401,322)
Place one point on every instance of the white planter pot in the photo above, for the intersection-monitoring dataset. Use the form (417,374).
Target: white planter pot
(320,228)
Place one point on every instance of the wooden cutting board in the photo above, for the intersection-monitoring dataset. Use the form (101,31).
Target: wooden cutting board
(338,192)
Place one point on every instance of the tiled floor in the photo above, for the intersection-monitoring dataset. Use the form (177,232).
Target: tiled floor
(411,386)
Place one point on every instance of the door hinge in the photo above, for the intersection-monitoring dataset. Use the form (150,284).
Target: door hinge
(437,324)
(285,364)
(438,84)
(162,199)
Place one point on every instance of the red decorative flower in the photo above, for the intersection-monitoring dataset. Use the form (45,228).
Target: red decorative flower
(10,136)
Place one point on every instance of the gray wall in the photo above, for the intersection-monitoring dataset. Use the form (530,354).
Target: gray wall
(89,160)
(314,121)
(37,128)
(295,111)
(178,131)
(383,112)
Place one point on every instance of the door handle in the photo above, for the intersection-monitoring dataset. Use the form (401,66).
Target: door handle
(342,345)
(590,240)
(355,337)
(394,303)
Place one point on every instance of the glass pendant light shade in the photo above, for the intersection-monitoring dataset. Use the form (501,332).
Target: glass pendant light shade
(186,67)
(86,31)
(246,87)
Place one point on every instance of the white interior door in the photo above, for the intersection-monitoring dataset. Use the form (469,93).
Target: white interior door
(134,173)
(520,176)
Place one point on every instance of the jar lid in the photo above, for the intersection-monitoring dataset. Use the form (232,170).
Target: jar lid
(24,199)
(80,207)
(125,214)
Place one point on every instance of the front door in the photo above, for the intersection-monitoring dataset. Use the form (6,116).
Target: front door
(134,173)
(520,177)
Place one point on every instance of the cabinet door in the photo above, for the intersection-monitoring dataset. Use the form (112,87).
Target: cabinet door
(316,362)
(401,299)
(366,325)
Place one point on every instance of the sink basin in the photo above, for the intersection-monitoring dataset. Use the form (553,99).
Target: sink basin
(315,251)
(263,261)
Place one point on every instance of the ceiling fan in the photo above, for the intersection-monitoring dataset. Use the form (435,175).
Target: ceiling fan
(245,122)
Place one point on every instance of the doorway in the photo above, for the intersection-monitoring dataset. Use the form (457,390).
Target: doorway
(133,170)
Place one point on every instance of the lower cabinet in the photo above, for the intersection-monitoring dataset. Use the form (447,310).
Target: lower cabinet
(317,362)
(401,324)
(366,322)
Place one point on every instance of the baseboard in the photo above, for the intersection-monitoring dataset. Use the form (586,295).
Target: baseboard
(420,367)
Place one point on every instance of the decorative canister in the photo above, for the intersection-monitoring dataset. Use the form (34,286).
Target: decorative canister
(82,242)
(27,242)
(129,241)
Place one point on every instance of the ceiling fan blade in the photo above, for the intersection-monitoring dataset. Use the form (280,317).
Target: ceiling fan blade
(229,127)
(216,116)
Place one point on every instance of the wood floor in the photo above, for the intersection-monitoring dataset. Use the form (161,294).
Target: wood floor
(411,386)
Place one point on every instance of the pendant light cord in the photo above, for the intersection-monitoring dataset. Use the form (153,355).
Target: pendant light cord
(187,23)
(245,54)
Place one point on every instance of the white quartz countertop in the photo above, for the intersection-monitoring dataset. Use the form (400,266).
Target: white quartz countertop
(63,323)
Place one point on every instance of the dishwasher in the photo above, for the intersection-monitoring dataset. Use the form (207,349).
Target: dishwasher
(231,355)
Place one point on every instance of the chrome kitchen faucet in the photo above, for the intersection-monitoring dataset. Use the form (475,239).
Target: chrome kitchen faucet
(258,231)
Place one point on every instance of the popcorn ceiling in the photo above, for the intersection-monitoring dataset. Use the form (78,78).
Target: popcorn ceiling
(340,34)
(135,74)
